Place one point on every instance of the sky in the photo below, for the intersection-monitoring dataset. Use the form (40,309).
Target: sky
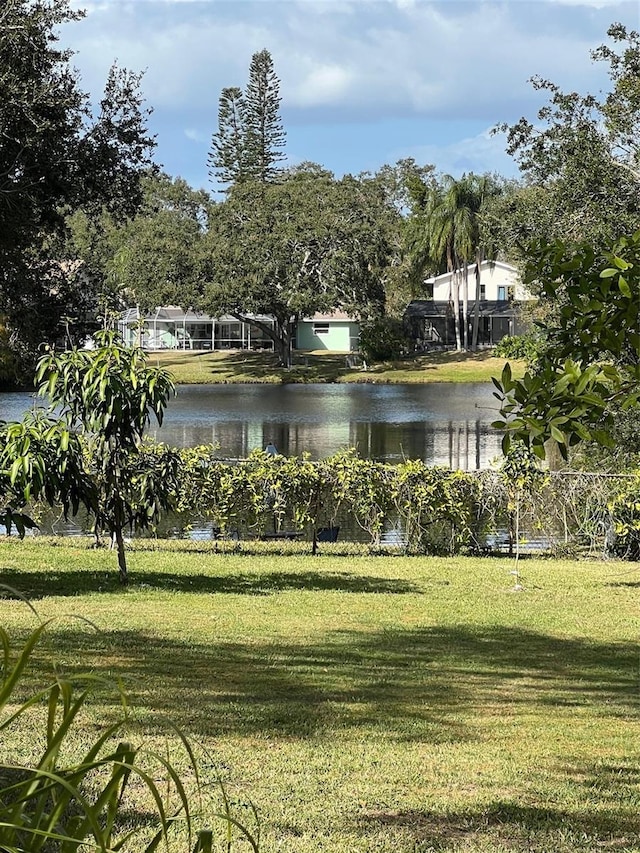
(363,83)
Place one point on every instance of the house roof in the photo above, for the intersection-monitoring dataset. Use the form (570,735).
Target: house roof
(326,317)
(423,308)
(485,265)
(171,313)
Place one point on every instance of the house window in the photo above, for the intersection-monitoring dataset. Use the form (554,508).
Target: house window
(483,291)
(320,328)
(502,293)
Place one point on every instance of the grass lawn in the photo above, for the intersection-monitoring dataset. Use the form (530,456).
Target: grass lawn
(218,367)
(390,704)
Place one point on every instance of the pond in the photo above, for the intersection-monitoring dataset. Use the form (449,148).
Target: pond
(440,423)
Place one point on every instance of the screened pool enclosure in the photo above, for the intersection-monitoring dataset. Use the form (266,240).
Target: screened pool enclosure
(173,328)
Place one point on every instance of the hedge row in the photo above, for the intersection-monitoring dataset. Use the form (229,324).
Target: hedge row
(437,510)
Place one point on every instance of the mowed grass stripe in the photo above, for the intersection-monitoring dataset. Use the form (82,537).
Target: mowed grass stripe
(369,703)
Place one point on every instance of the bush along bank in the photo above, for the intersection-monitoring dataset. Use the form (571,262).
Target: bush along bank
(429,510)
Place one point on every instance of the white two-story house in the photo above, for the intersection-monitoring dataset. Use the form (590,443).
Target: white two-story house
(431,322)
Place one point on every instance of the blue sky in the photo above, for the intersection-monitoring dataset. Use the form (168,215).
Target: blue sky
(363,82)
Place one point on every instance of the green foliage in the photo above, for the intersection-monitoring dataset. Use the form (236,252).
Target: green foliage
(434,510)
(383,339)
(438,507)
(625,517)
(108,395)
(154,258)
(250,137)
(590,363)
(39,461)
(55,158)
(624,453)
(443,234)
(287,250)
(360,487)
(521,347)
(579,156)
(79,803)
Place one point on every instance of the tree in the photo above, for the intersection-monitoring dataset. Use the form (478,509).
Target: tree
(287,250)
(250,137)
(155,258)
(582,154)
(264,134)
(226,158)
(106,397)
(444,235)
(55,157)
(590,367)
(394,181)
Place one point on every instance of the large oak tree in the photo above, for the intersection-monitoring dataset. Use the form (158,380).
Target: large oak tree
(310,243)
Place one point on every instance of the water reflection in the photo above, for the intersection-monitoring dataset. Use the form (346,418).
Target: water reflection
(443,424)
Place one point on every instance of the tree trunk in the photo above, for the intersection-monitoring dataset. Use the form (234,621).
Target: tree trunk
(281,335)
(465,307)
(282,342)
(456,308)
(476,308)
(122,559)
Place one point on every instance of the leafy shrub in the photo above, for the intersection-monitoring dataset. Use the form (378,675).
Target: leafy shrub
(437,507)
(524,347)
(625,517)
(383,339)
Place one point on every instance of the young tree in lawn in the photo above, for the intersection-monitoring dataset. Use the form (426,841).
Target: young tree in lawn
(107,396)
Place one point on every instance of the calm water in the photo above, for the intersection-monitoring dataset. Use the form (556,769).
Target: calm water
(443,424)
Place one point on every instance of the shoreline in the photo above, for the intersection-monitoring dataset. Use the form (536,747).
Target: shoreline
(247,368)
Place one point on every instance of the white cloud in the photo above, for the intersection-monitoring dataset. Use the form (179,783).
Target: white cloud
(362,63)
(394,58)
(194,134)
(594,4)
(322,84)
(482,153)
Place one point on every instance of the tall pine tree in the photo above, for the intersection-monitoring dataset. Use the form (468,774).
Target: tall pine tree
(264,135)
(249,142)
(226,158)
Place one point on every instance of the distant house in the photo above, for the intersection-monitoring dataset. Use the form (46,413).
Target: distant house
(172,328)
(430,322)
(335,331)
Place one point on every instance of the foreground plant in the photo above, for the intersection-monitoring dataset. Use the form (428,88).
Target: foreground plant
(78,804)
(108,396)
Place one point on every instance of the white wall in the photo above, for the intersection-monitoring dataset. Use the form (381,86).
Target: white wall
(493,276)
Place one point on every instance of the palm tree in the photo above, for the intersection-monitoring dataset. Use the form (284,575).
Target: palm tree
(444,235)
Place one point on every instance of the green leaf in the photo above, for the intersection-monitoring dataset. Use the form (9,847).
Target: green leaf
(625,290)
